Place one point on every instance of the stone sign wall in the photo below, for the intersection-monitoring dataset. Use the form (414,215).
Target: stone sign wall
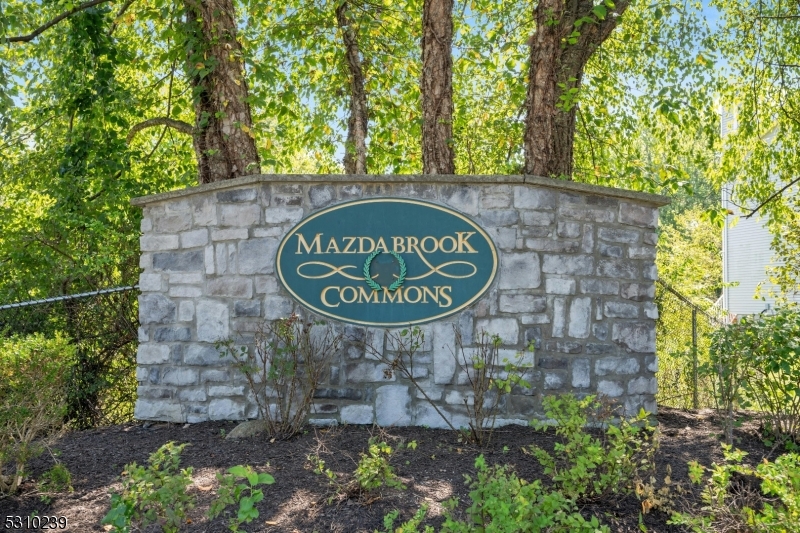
(576,278)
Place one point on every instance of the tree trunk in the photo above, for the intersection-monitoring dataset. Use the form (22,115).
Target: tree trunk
(438,156)
(355,156)
(557,61)
(223,140)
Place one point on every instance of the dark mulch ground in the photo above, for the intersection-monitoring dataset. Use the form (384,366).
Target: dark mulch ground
(434,472)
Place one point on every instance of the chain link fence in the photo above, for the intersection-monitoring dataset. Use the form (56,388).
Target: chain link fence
(103,326)
(683,339)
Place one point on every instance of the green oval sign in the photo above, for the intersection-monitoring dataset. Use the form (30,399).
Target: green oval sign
(386,262)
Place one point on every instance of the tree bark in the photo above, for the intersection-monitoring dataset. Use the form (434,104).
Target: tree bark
(223,140)
(555,72)
(438,155)
(355,155)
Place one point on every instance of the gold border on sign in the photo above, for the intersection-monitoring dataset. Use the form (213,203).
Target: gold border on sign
(393,200)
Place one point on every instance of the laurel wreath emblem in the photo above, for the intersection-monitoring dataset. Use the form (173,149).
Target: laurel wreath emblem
(396,283)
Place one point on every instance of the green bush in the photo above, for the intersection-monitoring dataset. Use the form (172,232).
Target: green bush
(33,372)
(374,471)
(503,503)
(57,479)
(731,504)
(244,495)
(585,467)
(412,526)
(153,495)
(756,364)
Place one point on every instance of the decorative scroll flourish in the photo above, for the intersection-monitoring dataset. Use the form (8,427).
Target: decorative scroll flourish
(439,269)
(333,270)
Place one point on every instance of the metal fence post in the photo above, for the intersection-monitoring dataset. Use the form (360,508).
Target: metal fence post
(695,402)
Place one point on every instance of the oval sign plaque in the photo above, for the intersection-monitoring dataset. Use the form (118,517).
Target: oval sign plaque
(386,262)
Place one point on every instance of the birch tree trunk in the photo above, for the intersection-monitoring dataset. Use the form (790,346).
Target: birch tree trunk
(223,140)
(438,155)
(558,56)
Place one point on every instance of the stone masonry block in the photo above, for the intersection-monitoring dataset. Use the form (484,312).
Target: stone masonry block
(635,336)
(283,215)
(229,234)
(506,328)
(212,321)
(568,264)
(168,411)
(152,354)
(520,271)
(357,414)
(392,405)
(581,373)
(620,310)
(155,243)
(229,286)
(321,195)
(599,286)
(638,292)
(179,261)
(522,303)
(150,282)
(203,355)
(240,216)
(554,285)
(156,309)
(579,317)
(226,409)
(526,197)
(612,389)
(461,197)
(444,363)
(638,215)
(236,196)
(276,307)
(627,236)
(616,366)
(642,385)
(617,268)
(195,238)
(257,256)
(180,376)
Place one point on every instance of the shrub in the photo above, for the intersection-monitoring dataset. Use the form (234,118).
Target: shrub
(153,495)
(412,526)
(732,503)
(374,471)
(284,370)
(585,467)
(33,372)
(245,495)
(57,479)
(756,364)
(503,503)
(490,379)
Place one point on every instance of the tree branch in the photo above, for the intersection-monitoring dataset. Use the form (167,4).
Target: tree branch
(38,31)
(121,12)
(772,197)
(181,126)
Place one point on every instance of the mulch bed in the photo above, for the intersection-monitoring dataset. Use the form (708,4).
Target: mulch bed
(296,502)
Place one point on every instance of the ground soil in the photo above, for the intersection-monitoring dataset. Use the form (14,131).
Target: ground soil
(297,501)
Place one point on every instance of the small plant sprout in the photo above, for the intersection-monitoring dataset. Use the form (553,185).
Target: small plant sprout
(239,486)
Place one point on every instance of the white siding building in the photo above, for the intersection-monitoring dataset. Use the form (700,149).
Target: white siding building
(746,252)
